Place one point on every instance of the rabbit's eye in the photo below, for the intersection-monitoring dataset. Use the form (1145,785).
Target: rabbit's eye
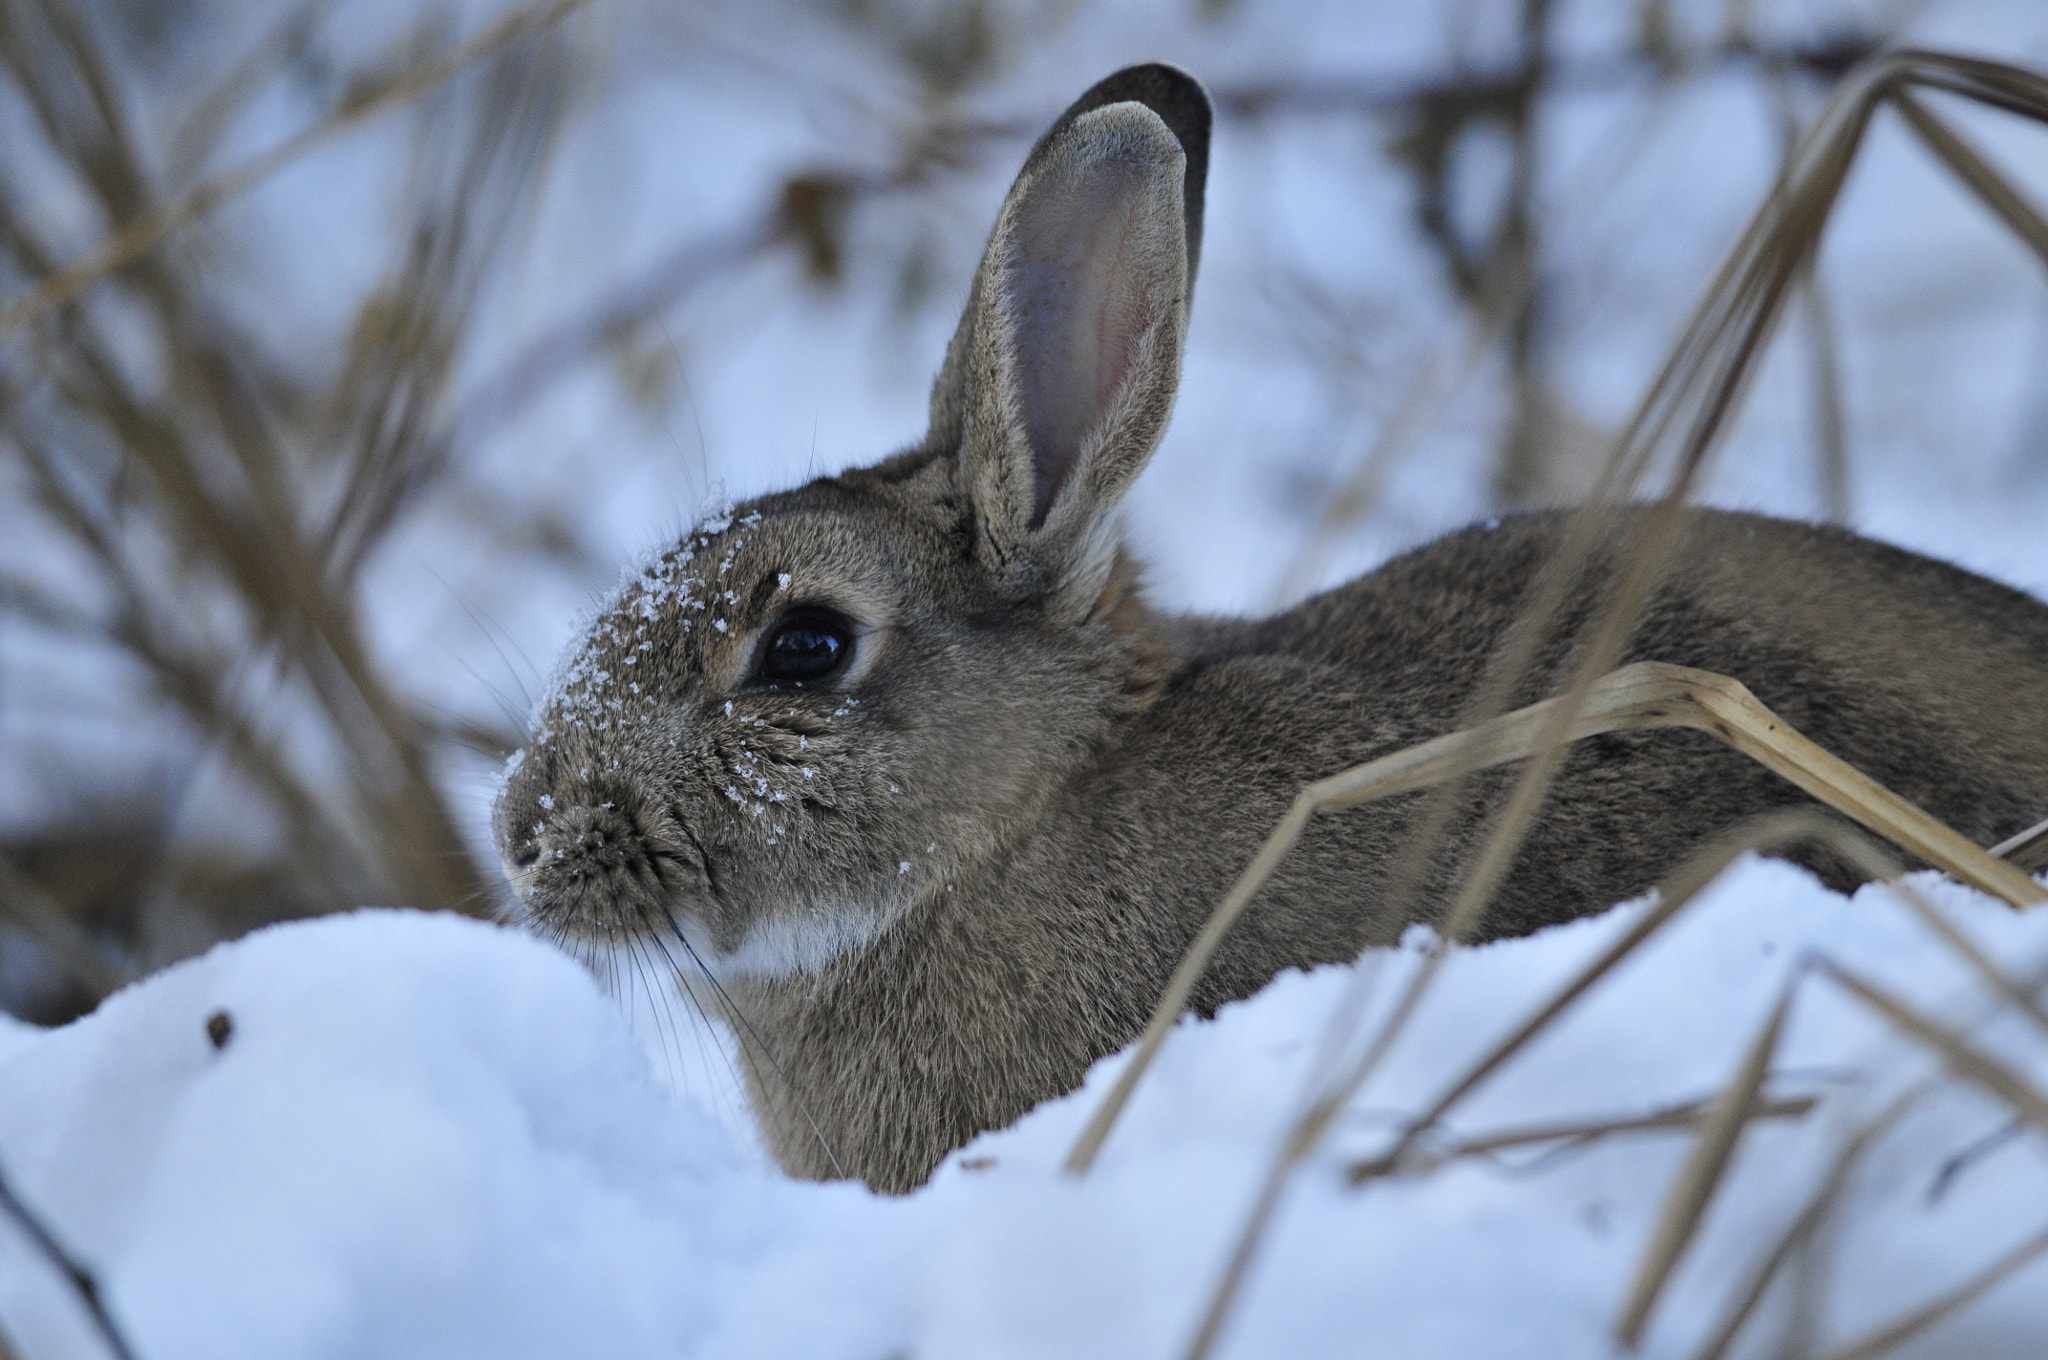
(808,644)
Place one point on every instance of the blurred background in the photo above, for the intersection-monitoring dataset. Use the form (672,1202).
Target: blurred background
(349,348)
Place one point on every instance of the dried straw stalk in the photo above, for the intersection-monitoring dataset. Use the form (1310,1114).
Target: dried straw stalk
(1680,417)
(142,233)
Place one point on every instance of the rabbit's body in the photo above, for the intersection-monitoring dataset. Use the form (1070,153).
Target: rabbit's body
(1050,951)
(906,762)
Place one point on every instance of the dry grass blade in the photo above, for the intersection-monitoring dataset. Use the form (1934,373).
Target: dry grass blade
(1682,414)
(1830,416)
(1918,1320)
(2020,998)
(136,237)
(200,130)
(1643,696)
(1693,393)
(229,484)
(1571,1133)
(1970,1063)
(1771,831)
(1829,408)
(22,898)
(1690,400)
(80,1279)
(1726,709)
(1685,1206)
(1974,171)
(1707,371)
(2029,849)
(1768,832)
(1082,1155)
(1776,830)
(1806,1222)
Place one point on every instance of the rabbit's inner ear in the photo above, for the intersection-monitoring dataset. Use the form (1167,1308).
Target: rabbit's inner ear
(1082,302)
(1084,299)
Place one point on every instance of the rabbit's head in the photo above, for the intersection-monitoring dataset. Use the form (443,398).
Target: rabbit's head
(813,710)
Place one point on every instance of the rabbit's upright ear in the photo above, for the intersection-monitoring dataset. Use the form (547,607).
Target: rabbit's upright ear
(1060,379)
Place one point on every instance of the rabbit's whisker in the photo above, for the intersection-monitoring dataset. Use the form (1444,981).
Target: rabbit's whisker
(746,1027)
(679,977)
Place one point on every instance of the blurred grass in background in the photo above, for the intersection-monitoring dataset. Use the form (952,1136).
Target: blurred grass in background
(347,346)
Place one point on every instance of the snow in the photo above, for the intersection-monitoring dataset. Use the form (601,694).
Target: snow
(423,1136)
(426,1136)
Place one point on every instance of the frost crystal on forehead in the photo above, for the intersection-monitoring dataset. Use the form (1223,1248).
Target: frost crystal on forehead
(657,590)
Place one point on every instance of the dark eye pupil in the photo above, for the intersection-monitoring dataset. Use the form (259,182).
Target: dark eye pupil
(808,648)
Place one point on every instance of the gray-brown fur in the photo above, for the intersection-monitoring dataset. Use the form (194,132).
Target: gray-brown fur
(1030,788)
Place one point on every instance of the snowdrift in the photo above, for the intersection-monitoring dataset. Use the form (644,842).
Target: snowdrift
(426,1137)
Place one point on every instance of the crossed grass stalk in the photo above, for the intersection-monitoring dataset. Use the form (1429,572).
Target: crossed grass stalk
(142,233)
(291,575)
(246,518)
(210,484)
(44,1244)
(1675,427)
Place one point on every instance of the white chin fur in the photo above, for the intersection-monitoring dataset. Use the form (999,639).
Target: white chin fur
(789,945)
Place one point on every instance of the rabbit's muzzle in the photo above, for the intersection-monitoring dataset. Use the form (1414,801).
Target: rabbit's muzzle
(606,867)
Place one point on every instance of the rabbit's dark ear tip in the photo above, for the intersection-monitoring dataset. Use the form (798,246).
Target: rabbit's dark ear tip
(1173,94)
(1182,104)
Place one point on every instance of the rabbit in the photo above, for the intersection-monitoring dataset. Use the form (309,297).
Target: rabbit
(904,763)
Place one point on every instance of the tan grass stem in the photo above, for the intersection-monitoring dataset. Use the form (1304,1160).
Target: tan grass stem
(35,911)
(2029,849)
(1692,1192)
(1690,400)
(1772,831)
(1895,1334)
(1570,1133)
(1643,696)
(1807,1222)
(1685,1206)
(1995,190)
(1996,1078)
(141,234)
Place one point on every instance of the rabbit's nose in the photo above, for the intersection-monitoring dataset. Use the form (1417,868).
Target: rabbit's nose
(599,837)
(606,857)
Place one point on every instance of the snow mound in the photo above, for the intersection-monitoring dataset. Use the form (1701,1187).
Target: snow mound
(421,1136)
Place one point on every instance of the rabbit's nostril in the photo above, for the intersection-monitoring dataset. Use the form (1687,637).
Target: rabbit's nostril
(527,856)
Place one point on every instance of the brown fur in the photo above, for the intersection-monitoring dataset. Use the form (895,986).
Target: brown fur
(939,886)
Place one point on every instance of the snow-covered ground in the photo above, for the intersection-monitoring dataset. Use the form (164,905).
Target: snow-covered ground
(426,1137)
